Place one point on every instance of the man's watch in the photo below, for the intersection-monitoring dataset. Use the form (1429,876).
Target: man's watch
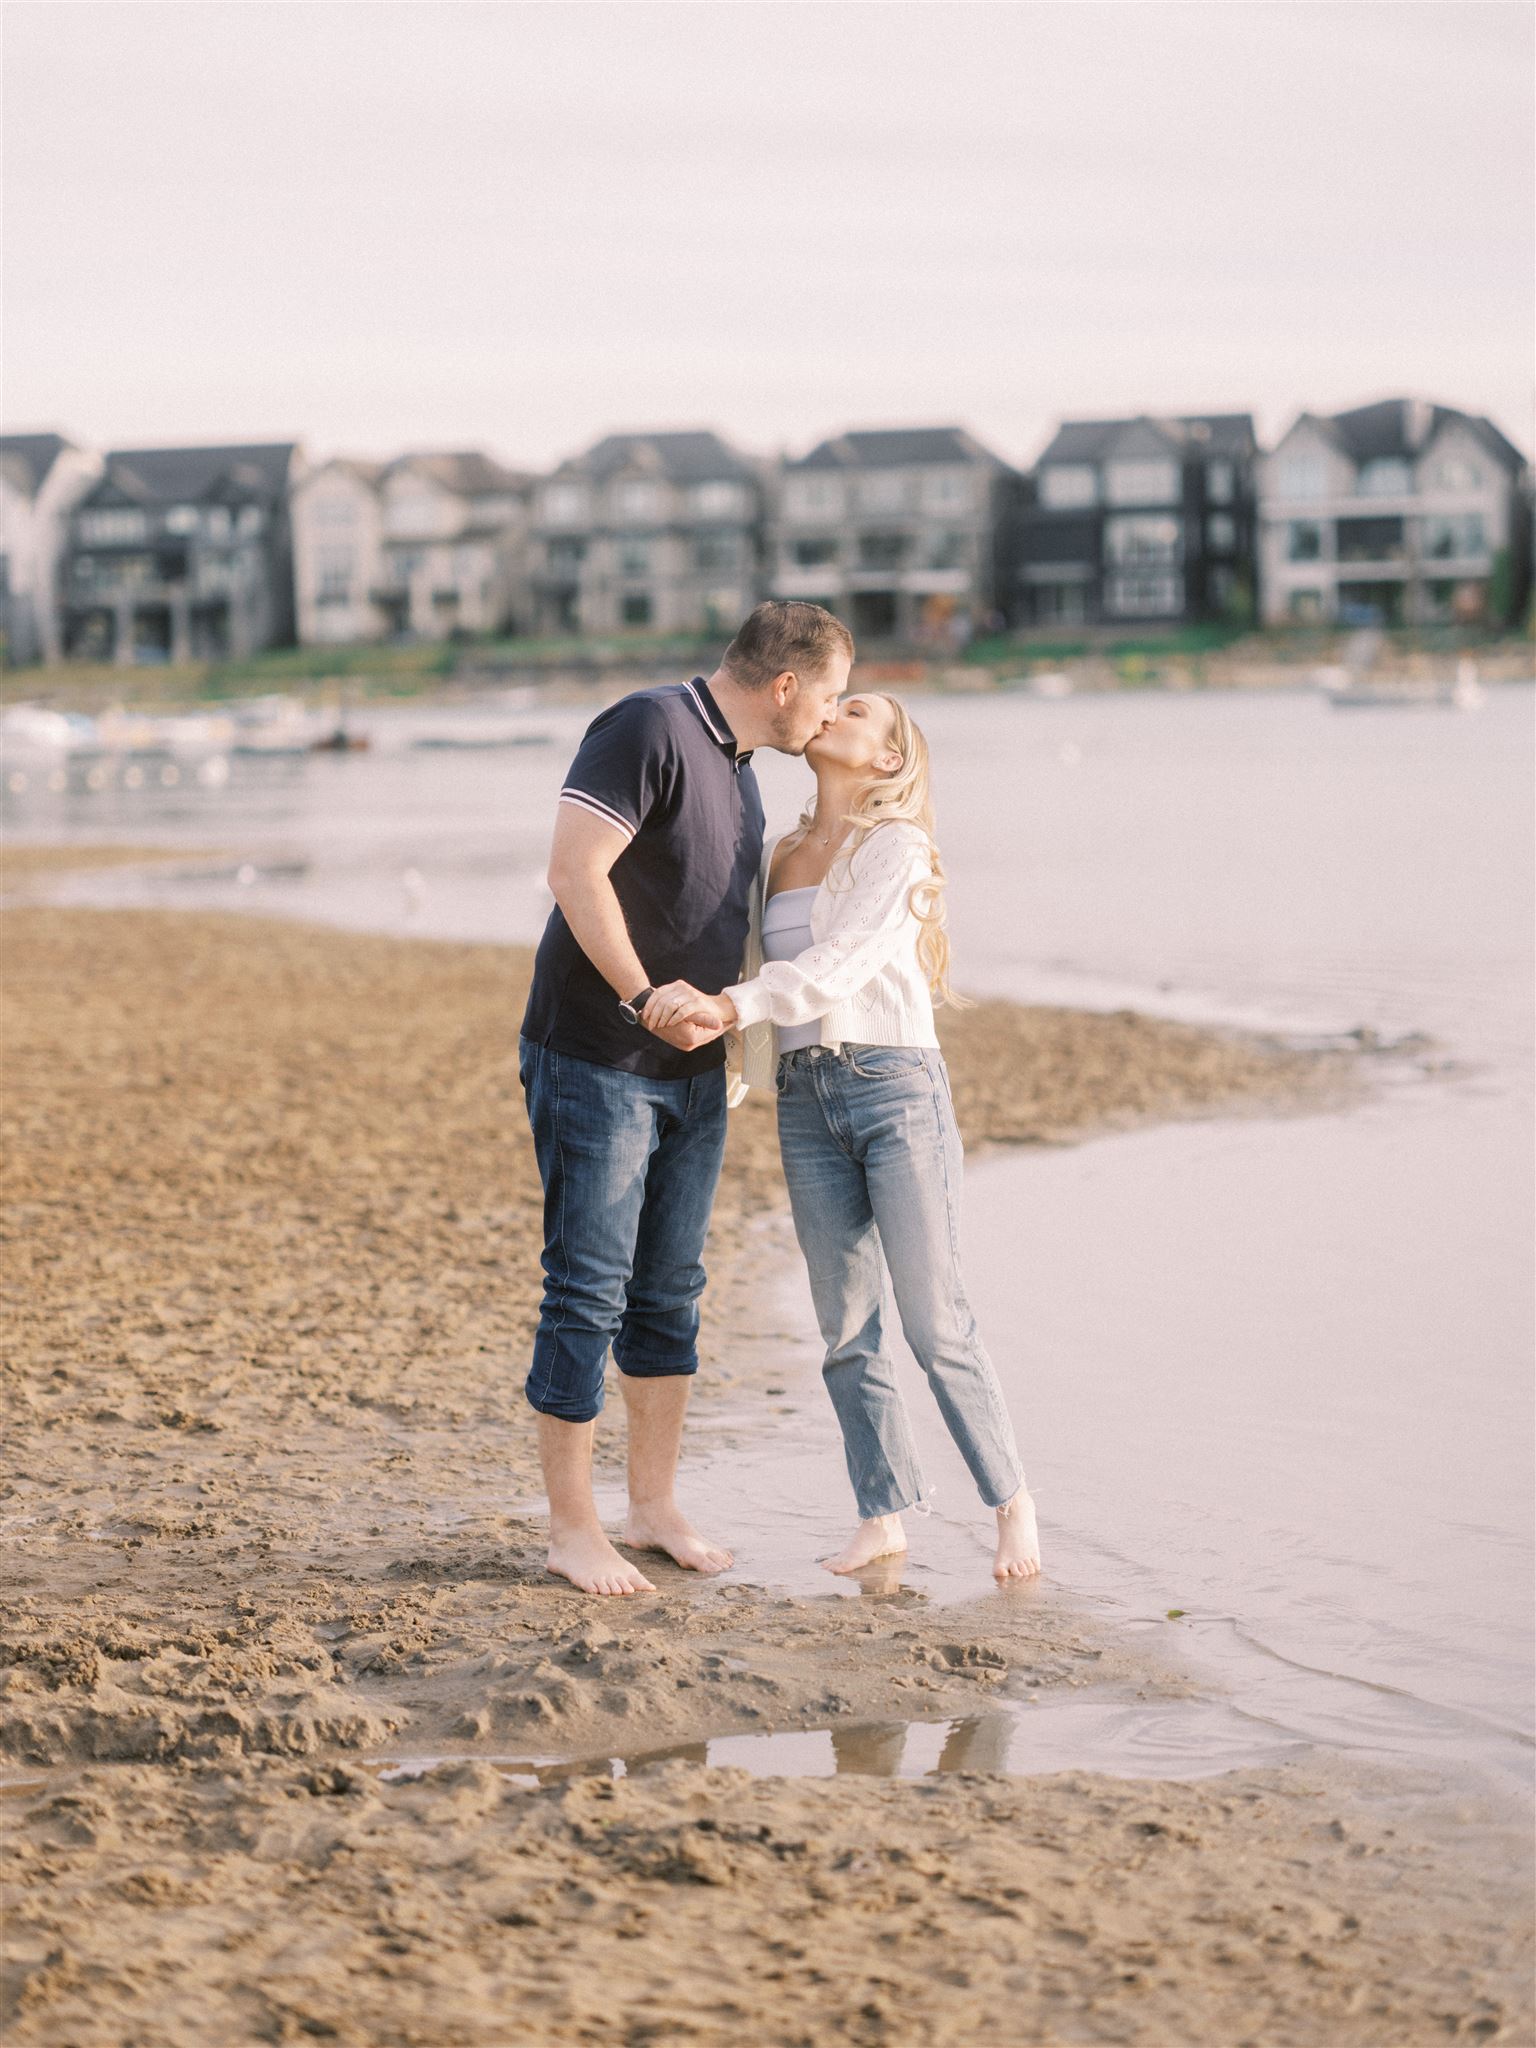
(630,1011)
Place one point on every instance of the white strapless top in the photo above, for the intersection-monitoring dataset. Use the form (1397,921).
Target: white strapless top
(787,932)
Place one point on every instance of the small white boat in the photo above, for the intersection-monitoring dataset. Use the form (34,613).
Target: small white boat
(39,747)
(272,727)
(1346,692)
(478,741)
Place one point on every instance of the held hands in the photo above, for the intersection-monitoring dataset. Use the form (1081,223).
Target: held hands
(685,1017)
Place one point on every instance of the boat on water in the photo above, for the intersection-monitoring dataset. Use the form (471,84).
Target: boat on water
(479,742)
(1347,690)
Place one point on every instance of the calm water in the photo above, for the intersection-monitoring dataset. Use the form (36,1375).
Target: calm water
(1274,1373)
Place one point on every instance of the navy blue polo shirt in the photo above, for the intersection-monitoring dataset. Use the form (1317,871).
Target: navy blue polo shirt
(661,767)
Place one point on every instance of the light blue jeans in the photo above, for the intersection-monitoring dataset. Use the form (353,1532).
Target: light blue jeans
(873,1161)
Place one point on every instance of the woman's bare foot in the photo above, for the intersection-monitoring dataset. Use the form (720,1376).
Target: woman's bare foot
(590,1562)
(883,1536)
(668,1529)
(1018,1539)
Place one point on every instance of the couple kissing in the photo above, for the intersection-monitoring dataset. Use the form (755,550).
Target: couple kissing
(685,962)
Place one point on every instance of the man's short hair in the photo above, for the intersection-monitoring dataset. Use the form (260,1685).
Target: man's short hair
(784,633)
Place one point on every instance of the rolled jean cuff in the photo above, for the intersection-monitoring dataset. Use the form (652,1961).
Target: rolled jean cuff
(650,1368)
(562,1403)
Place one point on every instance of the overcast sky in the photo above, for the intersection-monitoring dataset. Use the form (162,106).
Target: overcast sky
(519,226)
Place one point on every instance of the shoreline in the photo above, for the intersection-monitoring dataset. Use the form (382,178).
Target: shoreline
(273,1241)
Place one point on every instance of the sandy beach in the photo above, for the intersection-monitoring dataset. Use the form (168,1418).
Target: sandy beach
(270,1239)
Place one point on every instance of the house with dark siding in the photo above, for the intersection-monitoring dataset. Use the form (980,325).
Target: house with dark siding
(1135,522)
(181,554)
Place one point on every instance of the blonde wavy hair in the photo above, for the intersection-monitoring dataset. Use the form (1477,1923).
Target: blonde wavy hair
(904,793)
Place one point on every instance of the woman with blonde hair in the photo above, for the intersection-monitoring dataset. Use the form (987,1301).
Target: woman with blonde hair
(846,955)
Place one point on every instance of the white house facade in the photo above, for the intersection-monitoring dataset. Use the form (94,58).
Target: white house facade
(42,478)
(338,553)
(425,546)
(1399,513)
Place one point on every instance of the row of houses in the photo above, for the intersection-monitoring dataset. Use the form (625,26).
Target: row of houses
(1400,513)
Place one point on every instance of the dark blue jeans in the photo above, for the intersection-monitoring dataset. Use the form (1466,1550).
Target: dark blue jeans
(629,1167)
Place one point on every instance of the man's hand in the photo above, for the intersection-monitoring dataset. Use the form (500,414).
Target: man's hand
(679,1006)
(686,1036)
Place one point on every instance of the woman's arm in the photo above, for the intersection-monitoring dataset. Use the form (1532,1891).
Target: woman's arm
(870,920)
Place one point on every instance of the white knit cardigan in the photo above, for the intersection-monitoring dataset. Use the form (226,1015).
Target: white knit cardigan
(861,977)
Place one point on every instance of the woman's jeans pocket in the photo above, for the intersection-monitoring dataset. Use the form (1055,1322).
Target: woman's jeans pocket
(886,1062)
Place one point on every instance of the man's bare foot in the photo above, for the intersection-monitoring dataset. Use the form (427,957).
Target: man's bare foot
(883,1536)
(1018,1539)
(592,1565)
(669,1530)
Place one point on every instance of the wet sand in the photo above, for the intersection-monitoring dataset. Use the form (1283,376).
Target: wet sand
(270,1251)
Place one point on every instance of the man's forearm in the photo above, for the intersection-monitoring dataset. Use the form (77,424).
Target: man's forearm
(592,909)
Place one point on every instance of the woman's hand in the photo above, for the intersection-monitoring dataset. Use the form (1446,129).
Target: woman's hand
(679,1002)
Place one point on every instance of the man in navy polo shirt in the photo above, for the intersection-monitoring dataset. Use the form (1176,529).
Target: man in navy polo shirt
(657,843)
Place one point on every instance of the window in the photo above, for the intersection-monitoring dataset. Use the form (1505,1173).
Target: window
(810,554)
(1146,596)
(1066,485)
(636,608)
(99,529)
(1303,541)
(718,501)
(249,521)
(1148,541)
(716,551)
(181,519)
(813,497)
(333,575)
(1221,532)
(1220,482)
(882,550)
(1455,473)
(565,556)
(947,551)
(1387,477)
(466,564)
(944,490)
(635,498)
(563,504)
(1061,604)
(1223,588)
(1371,540)
(1303,475)
(634,555)
(884,490)
(1461,535)
(218,522)
(406,564)
(1141,483)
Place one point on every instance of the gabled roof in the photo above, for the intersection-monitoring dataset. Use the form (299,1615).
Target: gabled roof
(895,448)
(30,457)
(1222,434)
(178,476)
(465,471)
(365,470)
(691,456)
(1401,428)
